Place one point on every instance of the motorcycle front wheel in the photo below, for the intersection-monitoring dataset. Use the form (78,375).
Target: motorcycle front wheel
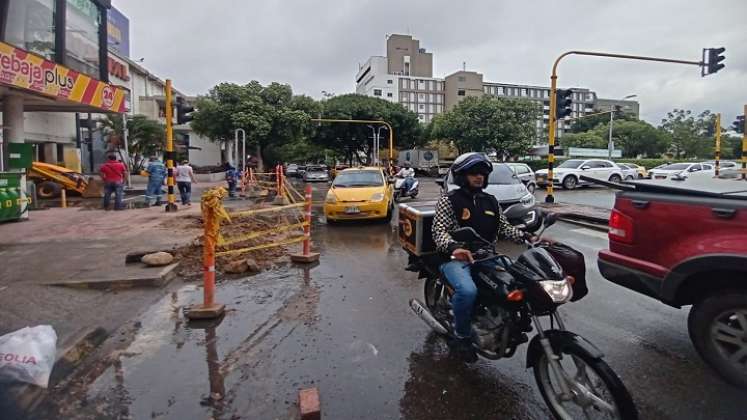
(595,391)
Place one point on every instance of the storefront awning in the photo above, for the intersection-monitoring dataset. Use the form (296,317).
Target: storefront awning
(48,86)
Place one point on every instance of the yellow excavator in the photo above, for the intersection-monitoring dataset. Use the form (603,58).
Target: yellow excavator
(51,179)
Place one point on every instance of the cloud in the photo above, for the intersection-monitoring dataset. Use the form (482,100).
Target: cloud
(317,46)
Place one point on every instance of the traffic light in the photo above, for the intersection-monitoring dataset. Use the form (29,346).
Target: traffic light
(738,125)
(183,111)
(563,103)
(713,64)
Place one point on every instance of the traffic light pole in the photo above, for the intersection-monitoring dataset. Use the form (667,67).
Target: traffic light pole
(718,144)
(550,197)
(171,204)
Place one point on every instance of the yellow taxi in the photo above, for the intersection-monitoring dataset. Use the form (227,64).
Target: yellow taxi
(359,193)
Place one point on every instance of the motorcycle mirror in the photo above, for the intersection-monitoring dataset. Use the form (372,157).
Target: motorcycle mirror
(550,219)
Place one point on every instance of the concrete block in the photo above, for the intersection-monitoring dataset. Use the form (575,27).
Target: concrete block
(308,404)
(305,259)
(204,312)
(150,277)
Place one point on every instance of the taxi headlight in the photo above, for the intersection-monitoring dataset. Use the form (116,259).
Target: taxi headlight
(560,291)
(377,197)
(331,199)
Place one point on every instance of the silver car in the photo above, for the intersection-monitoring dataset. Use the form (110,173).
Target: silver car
(315,174)
(512,195)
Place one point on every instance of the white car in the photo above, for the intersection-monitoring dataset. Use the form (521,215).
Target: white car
(679,170)
(629,172)
(568,174)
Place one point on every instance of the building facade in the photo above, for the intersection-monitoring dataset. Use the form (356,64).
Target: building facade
(405,76)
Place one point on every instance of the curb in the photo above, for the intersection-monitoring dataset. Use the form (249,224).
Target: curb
(162,278)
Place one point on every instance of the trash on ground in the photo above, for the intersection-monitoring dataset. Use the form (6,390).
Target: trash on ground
(28,355)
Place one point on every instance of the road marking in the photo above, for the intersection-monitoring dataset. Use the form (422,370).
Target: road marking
(590,232)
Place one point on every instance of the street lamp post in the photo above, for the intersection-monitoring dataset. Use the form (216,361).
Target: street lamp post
(610,143)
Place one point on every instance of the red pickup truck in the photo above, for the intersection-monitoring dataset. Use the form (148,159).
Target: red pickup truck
(685,243)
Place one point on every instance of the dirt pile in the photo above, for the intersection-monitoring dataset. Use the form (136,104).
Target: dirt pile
(249,227)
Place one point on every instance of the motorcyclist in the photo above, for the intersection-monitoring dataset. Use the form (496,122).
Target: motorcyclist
(468,206)
(408,173)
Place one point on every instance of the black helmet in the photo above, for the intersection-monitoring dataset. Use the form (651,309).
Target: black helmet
(472,162)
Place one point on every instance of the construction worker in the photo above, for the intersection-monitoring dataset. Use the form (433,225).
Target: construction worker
(156,176)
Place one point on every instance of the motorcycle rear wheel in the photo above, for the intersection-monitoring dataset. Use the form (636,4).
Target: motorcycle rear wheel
(605,395)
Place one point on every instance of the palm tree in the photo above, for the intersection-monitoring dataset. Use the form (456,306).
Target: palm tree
(145,138)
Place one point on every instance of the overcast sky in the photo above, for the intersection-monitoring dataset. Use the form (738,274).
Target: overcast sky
(318,45)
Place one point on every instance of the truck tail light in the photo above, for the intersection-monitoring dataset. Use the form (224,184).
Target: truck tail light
(621,227)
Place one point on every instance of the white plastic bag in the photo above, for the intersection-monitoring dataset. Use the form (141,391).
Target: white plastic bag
(28,355)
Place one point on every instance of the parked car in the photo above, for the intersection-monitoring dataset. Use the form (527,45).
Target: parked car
(514,198)
(359,193)
(568,173)
(629,171)
(642,172)
(683,243)
(723,164)
(525,175)
(315,173)
(292,170)
(679,170)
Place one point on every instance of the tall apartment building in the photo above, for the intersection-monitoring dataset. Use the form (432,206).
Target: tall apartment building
(405,76)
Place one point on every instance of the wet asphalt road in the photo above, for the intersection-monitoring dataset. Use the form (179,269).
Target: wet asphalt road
(344,326)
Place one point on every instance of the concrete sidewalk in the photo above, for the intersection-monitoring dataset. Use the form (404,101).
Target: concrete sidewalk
(73,244)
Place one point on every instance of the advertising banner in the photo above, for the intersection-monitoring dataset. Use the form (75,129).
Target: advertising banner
(119,32)
(23,70)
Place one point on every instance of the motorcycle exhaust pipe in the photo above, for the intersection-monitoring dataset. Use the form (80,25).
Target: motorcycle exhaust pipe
(424,314)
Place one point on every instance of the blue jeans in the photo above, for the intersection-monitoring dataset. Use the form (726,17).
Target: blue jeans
(115,188)
(154,191)
(458,275)
(185,191)
(407,184)
(231,188)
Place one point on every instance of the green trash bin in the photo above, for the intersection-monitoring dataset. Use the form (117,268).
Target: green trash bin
(13,205)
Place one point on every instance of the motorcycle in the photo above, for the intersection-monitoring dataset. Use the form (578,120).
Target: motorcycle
(574,380)
(400,191)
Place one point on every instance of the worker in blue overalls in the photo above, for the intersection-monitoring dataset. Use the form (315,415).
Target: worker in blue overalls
(156,175)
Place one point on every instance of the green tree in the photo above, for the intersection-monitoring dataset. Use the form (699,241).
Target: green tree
(270,115)
(688,133)
(588,139)
(589,123)
(634,137)
(488,123)
(351,141)
(145,137)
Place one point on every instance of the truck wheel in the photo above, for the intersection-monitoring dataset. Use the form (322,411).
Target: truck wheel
(570,182)
(718,330)
(48,189)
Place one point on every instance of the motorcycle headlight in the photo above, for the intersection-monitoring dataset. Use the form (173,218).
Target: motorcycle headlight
(560,291)
(527,200)
(377,197)
(331,199)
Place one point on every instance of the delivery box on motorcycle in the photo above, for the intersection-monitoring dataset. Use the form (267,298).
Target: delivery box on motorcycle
(415,227)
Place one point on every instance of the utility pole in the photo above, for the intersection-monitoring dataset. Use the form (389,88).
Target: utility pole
(744,145)
(610,145)
(171,204)
(91,125)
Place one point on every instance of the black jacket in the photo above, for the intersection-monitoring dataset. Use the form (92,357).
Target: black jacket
(478,210)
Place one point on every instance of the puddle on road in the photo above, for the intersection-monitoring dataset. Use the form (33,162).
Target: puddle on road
(343,326)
